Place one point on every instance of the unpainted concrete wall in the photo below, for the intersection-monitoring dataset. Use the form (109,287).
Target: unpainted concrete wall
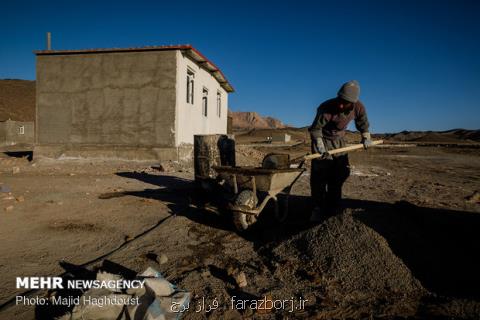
(107,99)
(10,133)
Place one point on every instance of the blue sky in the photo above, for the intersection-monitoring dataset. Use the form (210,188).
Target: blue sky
(417,61)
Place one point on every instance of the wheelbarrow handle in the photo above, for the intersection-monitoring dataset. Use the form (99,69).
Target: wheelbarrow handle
(340,150)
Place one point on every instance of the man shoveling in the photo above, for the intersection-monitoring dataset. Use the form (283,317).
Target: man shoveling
(327,132)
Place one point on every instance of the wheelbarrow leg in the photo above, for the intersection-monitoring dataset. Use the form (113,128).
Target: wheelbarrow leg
(281,213)
(276,207)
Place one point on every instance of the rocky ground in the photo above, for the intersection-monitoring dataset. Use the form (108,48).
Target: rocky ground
(405,246)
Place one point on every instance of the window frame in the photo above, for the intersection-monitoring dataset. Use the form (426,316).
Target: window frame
(190,87)
(205,102)
(219,104)
(21,129)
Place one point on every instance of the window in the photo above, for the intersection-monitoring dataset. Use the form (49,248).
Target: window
(21,130)
(219,104)
(205,102)
(190,86)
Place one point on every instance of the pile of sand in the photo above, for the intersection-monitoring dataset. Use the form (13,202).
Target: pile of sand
(344,262)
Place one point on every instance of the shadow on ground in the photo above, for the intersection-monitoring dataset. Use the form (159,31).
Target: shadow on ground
(439,246)
(20,154)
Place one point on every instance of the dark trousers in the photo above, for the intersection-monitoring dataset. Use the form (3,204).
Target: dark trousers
(326,180)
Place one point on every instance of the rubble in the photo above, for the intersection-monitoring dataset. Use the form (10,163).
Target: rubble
(168,167)
(159,168)
(163,259)
(154,300)
(241,279)
(473,198)
(238,275)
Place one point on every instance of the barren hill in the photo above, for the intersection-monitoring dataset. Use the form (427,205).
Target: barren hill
(252,120)
(17,100)
(452,136)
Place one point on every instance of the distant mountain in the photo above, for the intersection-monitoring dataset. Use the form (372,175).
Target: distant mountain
(17,100)
(252,120)
(449,136)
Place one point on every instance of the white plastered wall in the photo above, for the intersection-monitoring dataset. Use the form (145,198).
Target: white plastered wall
(190,119)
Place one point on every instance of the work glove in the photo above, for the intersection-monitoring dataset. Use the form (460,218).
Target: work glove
(367,140)
(319,147)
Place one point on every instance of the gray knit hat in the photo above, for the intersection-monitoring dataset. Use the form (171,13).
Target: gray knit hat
(350,91)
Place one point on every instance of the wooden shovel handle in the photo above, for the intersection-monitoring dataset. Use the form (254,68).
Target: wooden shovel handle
(340,150)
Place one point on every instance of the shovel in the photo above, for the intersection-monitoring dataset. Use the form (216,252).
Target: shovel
(334,151)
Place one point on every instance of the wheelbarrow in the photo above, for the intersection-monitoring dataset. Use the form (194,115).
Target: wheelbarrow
(253,188)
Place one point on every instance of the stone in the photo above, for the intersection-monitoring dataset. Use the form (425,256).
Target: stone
(158,168)
(163,259)
(241,279)
(474,198)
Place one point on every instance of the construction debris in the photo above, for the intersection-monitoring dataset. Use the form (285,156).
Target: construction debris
(238,275)
(241,279)
(474,198)
(153,300)
(163,259)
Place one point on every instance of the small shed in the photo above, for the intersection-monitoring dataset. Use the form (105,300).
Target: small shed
(281,137)
(16,133)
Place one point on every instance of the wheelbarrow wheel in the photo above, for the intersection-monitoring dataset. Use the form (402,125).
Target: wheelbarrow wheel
(247,199)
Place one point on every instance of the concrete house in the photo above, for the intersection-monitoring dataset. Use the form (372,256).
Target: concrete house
(16,133)
(137,103)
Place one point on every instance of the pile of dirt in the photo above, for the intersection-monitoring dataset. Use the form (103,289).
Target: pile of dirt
(17,100)
(344,262)
(247,156)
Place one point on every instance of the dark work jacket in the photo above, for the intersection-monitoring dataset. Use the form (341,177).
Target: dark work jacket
(330,122)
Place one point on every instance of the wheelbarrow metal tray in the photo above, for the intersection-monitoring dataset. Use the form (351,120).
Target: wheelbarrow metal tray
(266,180)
